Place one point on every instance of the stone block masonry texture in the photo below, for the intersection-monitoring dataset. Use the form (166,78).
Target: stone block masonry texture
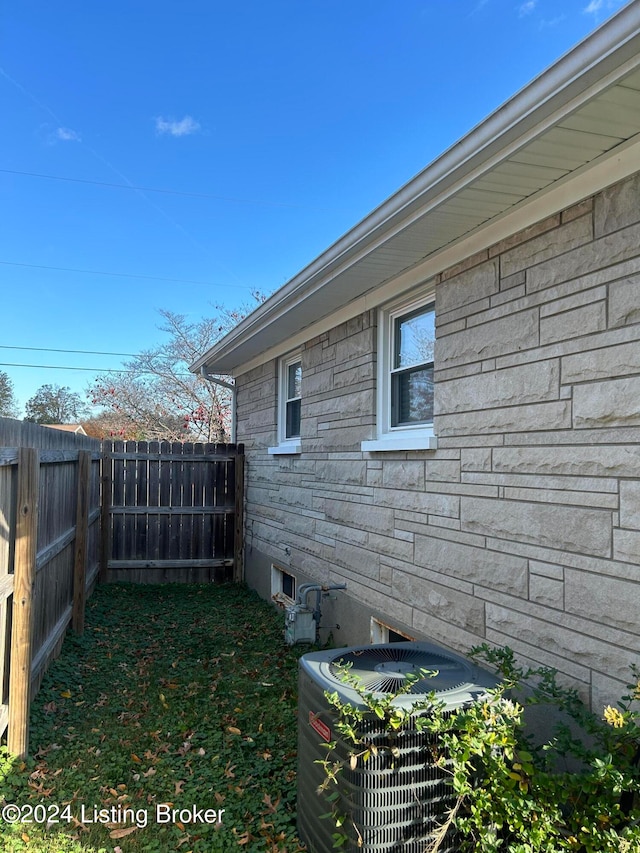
(531,383)
(507,334)
(547,591)
(574,324)
(610,601)
(489,569)
(527,234)
(630,504)
(626,545)
(440,601)
(511,419)
(572,460)
(567,642)
(523,527)
(604,404)
(624,305)
(608,250)
(549,245)
(607,362)
(618,206)
(564,528)
(468,288)
(404,475)
(362,516)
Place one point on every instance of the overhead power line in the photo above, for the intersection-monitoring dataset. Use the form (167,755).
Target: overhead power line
(69,351)
(105,162)
(186,193)
(124,275)
(88,369)
(67,367)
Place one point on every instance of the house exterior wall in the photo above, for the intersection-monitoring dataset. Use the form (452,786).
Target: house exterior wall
(523,527)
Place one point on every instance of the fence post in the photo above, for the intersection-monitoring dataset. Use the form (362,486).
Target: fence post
(105,513)
(238,536)
(24,582)
(82,532)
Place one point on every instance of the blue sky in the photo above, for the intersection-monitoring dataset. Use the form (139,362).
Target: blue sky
(271,128)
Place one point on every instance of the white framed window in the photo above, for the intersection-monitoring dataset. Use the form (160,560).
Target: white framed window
(289,404)
(406,339)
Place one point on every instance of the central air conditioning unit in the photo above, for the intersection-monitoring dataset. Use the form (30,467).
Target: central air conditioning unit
(392,806)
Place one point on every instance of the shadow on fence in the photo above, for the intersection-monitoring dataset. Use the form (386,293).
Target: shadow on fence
(74,510)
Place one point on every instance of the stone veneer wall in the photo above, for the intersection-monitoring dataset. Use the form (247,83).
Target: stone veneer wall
(523,528)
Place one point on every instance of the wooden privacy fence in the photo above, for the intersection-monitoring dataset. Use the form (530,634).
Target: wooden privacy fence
(49,556)
(174,511)
(74,510)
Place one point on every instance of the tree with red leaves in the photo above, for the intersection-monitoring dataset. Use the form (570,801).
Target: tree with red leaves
(156,398)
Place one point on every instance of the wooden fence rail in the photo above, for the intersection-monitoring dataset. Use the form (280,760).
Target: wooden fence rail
(74,510)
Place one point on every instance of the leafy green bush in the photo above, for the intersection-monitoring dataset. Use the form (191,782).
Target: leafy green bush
(511,794)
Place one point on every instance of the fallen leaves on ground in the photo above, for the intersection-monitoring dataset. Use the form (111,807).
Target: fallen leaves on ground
(175,694)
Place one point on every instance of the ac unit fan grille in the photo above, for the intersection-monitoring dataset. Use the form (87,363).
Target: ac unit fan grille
(399,797)
(384,669)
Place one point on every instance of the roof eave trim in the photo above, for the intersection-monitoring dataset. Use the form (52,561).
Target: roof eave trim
(604,48)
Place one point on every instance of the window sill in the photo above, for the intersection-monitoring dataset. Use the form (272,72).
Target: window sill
(405,442)
(287,448)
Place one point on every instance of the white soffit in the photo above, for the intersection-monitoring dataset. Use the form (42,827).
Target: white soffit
(547,143)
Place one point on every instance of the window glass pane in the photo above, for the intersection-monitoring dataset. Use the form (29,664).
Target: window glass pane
(414,338)
(412,397)
(293,419)
(288,585)
(294,380)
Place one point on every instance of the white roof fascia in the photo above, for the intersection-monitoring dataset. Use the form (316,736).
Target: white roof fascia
(610,168)
(609,53)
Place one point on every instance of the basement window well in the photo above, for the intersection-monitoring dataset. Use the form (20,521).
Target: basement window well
(283,584)
(382,633)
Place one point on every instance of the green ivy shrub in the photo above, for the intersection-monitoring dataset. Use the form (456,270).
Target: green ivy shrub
(510,793)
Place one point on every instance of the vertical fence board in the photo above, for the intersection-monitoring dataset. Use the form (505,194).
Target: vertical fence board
(208,497)
(117,498)
(8,502)
(153,492)
(220,491)
(25,571)
(238,533)
(142,500)
(177,485)
(82,537)
(186,526)
(129,521)
(165,499)
(106,534)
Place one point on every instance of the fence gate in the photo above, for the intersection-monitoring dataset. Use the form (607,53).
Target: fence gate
(173,512)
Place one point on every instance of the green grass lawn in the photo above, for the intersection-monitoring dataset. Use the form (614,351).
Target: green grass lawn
(170,725)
